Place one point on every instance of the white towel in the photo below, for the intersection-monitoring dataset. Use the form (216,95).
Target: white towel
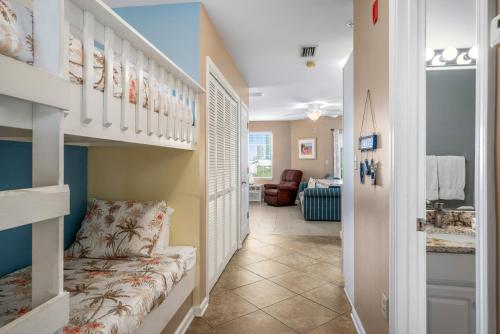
(432,185)
(451,174)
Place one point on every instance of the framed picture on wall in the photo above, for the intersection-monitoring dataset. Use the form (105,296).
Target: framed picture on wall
(307,148)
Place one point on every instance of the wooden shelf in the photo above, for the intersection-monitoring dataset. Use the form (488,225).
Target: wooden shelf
(27,206)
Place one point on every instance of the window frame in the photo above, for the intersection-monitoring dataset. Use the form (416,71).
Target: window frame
(270,133)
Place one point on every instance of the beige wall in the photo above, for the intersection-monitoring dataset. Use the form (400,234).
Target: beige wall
(281,146)
(149,173)
(324,145)
(371,71)
(285,145)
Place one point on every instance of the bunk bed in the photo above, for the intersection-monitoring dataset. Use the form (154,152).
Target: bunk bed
(74,72)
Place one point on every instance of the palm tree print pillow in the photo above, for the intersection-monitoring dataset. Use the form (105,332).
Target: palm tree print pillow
(119,229)
(16,31)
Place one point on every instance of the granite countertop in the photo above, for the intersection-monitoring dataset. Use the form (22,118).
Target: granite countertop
(451,239)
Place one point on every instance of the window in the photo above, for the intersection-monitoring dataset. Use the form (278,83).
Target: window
(338,153)
(260,154)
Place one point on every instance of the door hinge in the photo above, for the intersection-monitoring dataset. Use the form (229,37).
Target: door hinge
(421,224)
(248,215)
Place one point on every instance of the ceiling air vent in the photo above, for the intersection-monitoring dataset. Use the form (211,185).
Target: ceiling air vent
(308,51)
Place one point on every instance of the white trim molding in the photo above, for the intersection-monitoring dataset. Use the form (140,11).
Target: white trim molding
(199,310)
(186,322)
(354,316)
(407,262)
(486,312)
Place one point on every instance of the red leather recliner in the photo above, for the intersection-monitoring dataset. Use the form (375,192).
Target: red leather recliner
(285,193)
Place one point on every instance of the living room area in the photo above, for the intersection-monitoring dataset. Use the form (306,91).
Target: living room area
(295,176)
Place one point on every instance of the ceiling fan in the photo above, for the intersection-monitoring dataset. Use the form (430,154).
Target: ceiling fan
(315,110)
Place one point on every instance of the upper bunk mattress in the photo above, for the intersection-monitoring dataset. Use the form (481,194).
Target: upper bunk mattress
(106,296)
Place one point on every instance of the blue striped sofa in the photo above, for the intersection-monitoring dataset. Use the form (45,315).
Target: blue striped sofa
(320,203)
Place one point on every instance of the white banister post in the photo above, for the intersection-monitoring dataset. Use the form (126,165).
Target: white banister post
(109,58)
(161,92)
(170,105)
(177,110)
(185,99)
(196,117)
(139,92)
(48,155)
(190,117)
(125,85)
(152,95)
(88,68)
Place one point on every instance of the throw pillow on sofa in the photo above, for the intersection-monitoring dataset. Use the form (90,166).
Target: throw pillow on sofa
(119,229)
(311,183)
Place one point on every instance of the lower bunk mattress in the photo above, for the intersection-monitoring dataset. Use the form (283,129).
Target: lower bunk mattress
(106,296)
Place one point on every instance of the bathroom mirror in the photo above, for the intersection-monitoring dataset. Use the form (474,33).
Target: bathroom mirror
(451,54)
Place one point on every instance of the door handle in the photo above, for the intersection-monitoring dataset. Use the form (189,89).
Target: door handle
(243,182)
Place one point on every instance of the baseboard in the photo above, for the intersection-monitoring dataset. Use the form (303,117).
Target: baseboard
(199,310)
(186,322)
(355,317)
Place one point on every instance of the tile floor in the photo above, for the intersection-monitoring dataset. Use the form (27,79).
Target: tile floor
(288,221)
(279,284)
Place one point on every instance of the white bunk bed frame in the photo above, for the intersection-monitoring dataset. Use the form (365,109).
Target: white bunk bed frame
(42,100)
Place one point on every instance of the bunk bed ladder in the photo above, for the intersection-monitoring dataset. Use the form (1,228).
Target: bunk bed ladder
(44,205)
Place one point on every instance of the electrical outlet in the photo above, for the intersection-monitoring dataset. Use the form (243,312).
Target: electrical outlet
(384,305)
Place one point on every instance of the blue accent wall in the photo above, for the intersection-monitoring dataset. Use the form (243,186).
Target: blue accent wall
(15,173)
(172,28)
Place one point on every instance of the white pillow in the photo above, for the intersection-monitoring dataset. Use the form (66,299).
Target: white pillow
(163,240)
(311,183)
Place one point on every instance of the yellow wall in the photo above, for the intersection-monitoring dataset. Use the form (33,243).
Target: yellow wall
(371,71)
(150,173)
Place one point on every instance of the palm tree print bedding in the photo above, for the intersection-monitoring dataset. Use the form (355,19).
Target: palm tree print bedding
(106,296)
(117,229)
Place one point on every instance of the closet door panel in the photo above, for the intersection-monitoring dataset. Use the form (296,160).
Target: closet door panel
(211,183)
(222,178)
(234,168)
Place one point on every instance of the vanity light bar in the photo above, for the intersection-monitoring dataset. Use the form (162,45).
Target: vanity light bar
(451,57)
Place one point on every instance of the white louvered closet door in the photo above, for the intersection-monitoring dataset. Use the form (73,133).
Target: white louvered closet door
(222,178)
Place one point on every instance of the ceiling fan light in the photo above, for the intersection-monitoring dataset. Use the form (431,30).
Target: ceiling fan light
(314,115)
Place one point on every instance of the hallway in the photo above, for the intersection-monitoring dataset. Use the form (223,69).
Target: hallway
(279,284)
(288,220)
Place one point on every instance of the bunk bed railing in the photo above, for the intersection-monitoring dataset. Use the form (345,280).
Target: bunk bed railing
(170,117)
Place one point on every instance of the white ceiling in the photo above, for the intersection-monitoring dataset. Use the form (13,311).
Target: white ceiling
(264,38)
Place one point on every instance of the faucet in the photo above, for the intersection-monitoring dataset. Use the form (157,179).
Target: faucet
(439,221)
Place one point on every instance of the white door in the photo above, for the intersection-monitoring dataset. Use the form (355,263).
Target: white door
(348,179)
(244,226)
(222,178)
